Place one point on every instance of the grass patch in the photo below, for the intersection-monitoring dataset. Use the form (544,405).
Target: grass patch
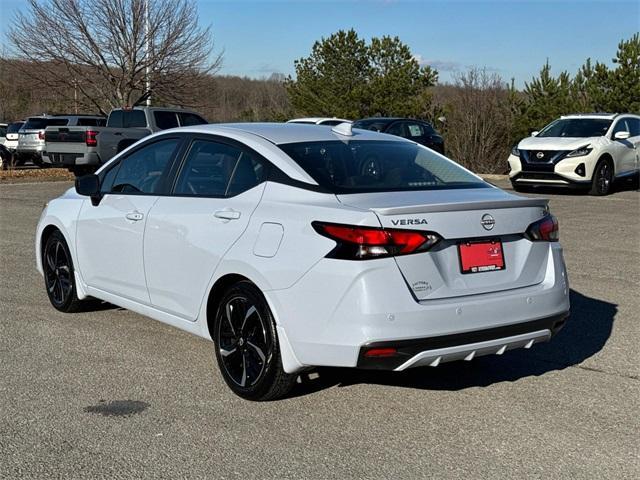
(35,175)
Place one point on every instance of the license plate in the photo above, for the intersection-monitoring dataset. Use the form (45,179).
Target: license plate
(478,257)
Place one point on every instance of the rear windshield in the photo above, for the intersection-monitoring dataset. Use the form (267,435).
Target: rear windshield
(57,122)
(3,131)
(37,123)
(14,127)
(576,128)
(377,166)
(91,122)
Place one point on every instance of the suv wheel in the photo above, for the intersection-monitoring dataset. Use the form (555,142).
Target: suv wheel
(602,179)
(246,344)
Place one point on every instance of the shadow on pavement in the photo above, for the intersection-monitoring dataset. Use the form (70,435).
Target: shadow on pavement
(585,333)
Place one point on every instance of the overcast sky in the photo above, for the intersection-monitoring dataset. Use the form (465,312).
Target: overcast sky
(513,38)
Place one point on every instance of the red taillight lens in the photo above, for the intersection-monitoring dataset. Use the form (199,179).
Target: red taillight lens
(544,230)
(90,138)
(360,243)
(41,135)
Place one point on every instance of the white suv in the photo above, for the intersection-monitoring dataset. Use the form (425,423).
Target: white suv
(583,151)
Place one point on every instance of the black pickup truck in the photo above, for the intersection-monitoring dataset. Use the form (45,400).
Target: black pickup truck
(84,149)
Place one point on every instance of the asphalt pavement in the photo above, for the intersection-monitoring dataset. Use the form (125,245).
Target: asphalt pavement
(112,394)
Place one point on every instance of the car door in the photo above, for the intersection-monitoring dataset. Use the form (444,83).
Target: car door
(216,190)
(109,235)
(624,151)
(634,130)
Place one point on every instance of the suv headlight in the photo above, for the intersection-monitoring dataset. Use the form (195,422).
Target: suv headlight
(515,151)
(579,152)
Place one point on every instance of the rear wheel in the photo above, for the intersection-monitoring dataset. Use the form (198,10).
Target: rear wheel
(602,179)
(247,346)
(59,274)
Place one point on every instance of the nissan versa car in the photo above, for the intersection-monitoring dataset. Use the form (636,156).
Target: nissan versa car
(588,151)
(279,243)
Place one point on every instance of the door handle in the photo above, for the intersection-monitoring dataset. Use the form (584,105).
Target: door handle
(134,216)
(227,214)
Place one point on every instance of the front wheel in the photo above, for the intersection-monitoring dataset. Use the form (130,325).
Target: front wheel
(59,274)
(246,344)
(602,180)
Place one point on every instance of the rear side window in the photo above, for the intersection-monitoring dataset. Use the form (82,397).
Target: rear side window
(165,120)
(3,131)
(188,119)
(143,170)
(376,166)
(214,169)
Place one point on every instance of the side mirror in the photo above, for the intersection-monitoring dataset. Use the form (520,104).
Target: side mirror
(535,133)
(89,186)
(621,135)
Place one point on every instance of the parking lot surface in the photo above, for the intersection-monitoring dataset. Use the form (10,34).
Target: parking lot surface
(113,394)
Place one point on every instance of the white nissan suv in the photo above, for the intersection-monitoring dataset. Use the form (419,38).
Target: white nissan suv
(582,151)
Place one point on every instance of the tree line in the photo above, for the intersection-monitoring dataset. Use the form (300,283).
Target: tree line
(97,62)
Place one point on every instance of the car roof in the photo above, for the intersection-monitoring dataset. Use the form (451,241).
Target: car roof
(281,133)
(606,116)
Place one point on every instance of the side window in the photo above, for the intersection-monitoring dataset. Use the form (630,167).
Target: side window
(248,173)
(165,120)
(188,119)
(207,169)
(621,126)
(133,119)
(141,171)
(397,129)
(415,130)
(634,126)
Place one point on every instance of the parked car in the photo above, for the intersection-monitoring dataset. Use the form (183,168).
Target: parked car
(84,149)
(587,151)
(416,130)
(11,139)
(270,240)
(31,137)
(3,133)
(330,121)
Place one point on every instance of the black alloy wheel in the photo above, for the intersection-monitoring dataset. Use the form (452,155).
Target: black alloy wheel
(602,178)
(247,345)
(58,274)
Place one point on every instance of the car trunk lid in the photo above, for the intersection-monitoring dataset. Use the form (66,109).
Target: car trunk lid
(462,216)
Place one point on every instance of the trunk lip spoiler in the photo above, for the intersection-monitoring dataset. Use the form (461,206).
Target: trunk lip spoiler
(462,206)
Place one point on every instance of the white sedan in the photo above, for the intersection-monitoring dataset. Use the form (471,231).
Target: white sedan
(294,246)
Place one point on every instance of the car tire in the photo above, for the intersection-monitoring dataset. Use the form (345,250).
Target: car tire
(602,178)
(246,345)
(59,278)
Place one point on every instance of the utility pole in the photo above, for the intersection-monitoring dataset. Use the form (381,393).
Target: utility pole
(147,45)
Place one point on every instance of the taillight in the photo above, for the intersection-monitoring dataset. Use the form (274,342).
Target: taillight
(544,230)
(90,138)
(361,243)
(41,135)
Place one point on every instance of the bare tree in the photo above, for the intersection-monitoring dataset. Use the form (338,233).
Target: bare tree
(479,120)
(101,50)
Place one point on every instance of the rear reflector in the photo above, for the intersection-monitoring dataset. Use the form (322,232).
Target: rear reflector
(381,352)
(360,243)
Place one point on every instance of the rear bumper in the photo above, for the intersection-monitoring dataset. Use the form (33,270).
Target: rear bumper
(460,346)
(331,316)
(71,159)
